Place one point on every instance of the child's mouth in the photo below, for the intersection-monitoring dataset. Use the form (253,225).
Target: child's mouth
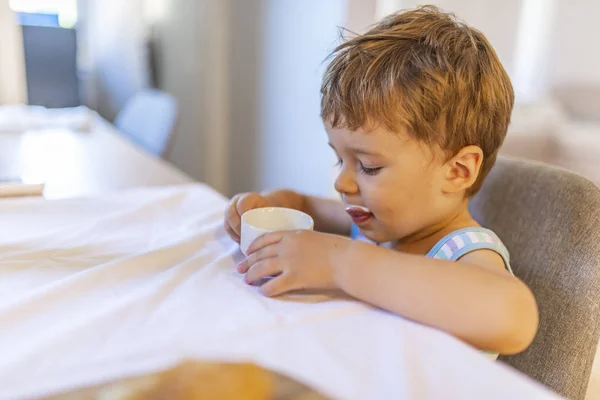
(360,215)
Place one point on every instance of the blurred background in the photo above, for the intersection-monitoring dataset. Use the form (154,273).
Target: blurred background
(244,76)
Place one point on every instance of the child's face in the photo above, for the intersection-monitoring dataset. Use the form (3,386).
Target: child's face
(397,179)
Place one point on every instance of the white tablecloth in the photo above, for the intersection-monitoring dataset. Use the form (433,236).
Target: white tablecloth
(93,289)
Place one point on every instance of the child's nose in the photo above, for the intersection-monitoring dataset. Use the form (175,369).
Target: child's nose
(345,182)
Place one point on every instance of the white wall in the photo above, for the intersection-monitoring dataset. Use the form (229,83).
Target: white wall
(497,19)
(575,53)
(293,150)
(112,53)
(193,51)
(531,69)
(361,14)
(245,65)
(180,73)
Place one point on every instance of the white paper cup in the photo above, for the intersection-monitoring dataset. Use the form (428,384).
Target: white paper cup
(259,221)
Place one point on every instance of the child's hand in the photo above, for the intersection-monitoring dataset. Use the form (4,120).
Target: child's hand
(237,207)
(297,259)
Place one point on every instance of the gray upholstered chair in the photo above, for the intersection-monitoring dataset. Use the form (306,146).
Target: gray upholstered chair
(550,221)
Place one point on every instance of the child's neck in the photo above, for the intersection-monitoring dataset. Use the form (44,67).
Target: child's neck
(423,240)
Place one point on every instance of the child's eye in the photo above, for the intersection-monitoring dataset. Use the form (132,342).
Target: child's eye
(338,163)
(370,171)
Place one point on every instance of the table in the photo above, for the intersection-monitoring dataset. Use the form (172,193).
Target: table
(73,163)
(99,289)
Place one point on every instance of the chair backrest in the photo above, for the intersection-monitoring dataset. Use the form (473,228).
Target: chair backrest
(148,119)
(549,220)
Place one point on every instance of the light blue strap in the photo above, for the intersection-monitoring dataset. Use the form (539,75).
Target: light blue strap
(463,241)
(486,240)
(501,250)
(355,234)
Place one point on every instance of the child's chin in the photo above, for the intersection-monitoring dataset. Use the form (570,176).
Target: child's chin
(374,235)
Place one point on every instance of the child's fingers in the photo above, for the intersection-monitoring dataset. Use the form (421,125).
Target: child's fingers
(263,269)
(232,217)
(265,240)
(256,257)
(238,205)
(277,286)
(250,201)
(231,232)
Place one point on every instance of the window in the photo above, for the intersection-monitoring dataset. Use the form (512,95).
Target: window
(60,13)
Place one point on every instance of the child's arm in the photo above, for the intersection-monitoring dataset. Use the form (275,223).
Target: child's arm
(474,299)
(328,214)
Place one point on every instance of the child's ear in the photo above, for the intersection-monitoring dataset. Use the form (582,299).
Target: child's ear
(462,170)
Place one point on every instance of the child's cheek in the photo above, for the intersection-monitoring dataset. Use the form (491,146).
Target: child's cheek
(389,206)
(379,204)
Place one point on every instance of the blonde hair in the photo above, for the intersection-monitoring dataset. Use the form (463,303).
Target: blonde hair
(424,71)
